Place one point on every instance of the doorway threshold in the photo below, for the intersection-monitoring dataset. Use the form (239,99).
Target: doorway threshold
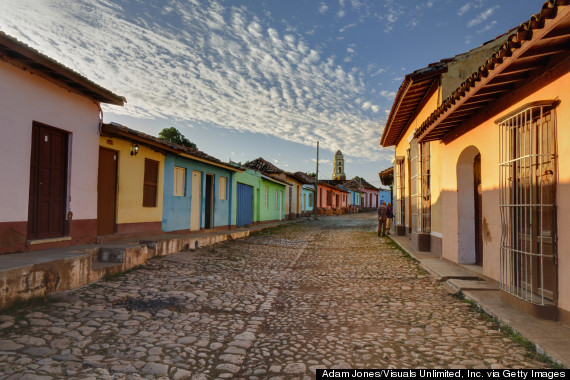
(49,240)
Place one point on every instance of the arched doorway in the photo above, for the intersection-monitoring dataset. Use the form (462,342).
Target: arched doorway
(469,207)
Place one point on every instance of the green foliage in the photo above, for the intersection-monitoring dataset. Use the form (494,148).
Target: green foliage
(173,135)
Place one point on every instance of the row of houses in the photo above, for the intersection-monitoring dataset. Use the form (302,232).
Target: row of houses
(480,176)
(71,179)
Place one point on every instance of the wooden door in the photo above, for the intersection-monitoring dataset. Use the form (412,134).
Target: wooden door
(195,201)
(107,191)
(48,182)
(209,211)
(244,205)
(478,210)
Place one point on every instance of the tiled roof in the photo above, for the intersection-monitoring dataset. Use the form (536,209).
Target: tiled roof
(114,129)
(305,177)
(525,56)
(263,166)
(411,93)
(329,183)
(301,177)
(24,56)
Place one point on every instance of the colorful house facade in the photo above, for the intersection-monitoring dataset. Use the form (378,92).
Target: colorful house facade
(308,202)
(130,184)
(51,117)
(331,197)
(497,165)
(417,174)
(370,196)
(259,198)
(293,192)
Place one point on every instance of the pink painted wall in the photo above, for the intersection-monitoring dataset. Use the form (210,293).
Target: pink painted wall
(24,98)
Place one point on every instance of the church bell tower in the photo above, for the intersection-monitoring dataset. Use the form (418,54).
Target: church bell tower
(338,167)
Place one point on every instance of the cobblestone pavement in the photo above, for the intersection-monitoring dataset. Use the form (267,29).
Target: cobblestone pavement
(276,305)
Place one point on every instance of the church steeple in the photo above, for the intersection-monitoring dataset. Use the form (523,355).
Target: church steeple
(338,166)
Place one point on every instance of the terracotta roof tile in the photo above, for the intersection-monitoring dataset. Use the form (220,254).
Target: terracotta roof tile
(118,129)
(520,41)
(263,166)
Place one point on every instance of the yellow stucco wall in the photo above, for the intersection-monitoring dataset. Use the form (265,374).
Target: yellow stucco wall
(401,150)
(130,182)
(485,137)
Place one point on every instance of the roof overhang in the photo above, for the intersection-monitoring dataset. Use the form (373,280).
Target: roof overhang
(535,48)
(387,176)
(413,93)
(27,58)
(110,130)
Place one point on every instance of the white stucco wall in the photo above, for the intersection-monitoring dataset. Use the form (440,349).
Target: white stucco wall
(24,98)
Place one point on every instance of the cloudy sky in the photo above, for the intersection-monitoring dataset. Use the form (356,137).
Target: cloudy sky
(270,78)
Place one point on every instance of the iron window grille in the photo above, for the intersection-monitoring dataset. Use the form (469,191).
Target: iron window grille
(528,172)
(420,190)
(400,214)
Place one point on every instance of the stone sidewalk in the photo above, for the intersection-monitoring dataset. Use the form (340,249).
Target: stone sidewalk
(279,305)
(549,337)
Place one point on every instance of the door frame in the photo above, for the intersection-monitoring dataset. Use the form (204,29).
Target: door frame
(34,173)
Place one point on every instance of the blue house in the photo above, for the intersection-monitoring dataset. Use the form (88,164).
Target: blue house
(308,199)
(385,196)
(197,192)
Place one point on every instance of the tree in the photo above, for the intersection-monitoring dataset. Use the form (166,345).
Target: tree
(173,135)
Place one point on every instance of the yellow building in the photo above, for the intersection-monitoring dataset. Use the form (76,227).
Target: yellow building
(495,172)
(417,205)
(130,186)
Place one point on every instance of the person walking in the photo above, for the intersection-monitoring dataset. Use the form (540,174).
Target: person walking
(382,211)
(390,216)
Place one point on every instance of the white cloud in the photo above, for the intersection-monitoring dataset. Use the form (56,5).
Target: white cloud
(487,27)
(323,8)
(224,68)
(464,9)
(482,16)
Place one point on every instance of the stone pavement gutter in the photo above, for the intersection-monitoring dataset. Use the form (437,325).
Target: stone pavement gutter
(549,337)
(39,273)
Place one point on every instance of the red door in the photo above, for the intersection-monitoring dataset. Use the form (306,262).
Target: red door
(48,182)
(106,191)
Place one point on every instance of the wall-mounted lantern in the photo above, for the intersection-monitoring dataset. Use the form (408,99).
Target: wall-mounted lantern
(134,150)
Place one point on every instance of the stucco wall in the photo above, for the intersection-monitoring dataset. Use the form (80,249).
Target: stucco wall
(25,98)
(306,205)
(402,151)
(272,213)
(485,137)
(176,214)
(130,173)
(253,179)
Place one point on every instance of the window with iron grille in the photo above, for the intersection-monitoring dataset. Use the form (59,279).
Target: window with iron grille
(420,181)
(329,198)
(425,203)
(150,186)
(527,194)
(400,177)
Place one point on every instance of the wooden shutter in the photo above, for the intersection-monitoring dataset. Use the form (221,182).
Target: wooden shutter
(150,188)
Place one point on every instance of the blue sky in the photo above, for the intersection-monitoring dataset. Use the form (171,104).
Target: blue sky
(250,78)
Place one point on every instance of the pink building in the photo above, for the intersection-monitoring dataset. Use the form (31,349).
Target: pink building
(50,124)
(331,197)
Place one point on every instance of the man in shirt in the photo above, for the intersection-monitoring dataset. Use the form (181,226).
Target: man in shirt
(382,212)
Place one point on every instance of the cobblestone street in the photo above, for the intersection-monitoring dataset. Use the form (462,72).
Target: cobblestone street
(278,304)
